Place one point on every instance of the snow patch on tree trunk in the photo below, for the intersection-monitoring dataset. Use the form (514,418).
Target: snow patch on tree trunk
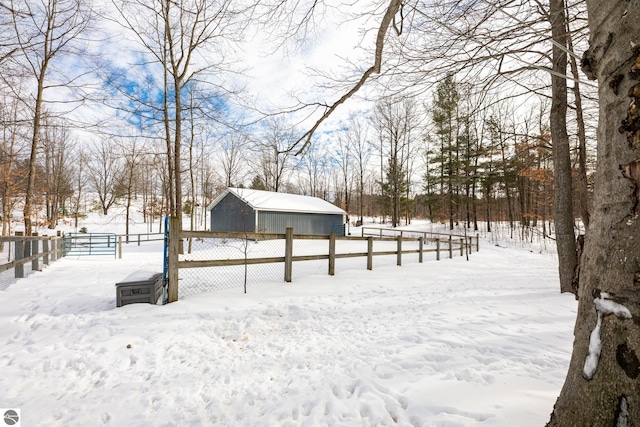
(603,306)
(622,418)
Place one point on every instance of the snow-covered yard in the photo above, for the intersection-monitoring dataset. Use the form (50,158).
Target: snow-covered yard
(448,343)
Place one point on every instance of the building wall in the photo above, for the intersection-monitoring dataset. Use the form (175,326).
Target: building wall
(231,214)
(302,223)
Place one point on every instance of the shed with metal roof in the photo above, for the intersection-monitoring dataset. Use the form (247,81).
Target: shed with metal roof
(247,210)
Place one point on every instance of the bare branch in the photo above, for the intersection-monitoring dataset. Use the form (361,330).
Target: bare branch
(387,19)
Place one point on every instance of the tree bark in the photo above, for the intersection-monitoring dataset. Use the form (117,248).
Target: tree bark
(563,195)
(607,393)
(35,141)
(582,190)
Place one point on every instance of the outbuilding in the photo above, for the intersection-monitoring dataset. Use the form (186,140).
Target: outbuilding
(246,210)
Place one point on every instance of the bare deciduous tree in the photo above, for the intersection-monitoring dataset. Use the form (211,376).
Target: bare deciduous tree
(104,173)
(230,155)
(10,145)
(274,161)
(44,31)
(133,151)
(56,182)
(395,121)
(360,146)
(188,40)
(313,167)
(81,159)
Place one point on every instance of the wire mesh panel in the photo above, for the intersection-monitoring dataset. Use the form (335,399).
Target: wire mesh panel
(208,279)
(304,247)
(231,262)
(351,247)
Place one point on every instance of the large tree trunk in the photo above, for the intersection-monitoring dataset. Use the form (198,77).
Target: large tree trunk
(35,141)
(582,187)
(605,390)
(563,195)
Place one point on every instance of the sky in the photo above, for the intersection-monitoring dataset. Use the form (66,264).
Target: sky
(273,65)
(450,343)
(277,67)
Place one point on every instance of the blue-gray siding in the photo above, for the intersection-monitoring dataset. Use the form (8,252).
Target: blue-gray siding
(232,214)
(302,223)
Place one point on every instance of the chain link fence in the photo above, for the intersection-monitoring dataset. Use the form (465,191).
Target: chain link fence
(207,279)
(351,253)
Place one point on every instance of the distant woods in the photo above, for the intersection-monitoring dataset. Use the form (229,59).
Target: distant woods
(162,131)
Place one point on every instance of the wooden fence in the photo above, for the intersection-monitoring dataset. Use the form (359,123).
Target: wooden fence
(39,250)
(450,245)
(141,237)
(394,232)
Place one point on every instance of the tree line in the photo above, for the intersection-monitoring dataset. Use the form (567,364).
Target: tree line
(407,159)
(455,152)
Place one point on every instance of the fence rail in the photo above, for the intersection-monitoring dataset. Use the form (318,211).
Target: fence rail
(38,250)
(392,232)
(141,237)
(451,244)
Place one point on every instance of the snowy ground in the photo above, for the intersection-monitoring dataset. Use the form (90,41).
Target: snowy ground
(450,343)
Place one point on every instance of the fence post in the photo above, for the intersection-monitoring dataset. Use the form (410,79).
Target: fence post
(52,248)
(27,247)
(420,248)
(35,250)
(288,254)
(138,239)
(467,247)
(462,247)
(332,253)
(19,249)
(450,248)
(370,253)
(174,248)
(477,242)
(437,249)
(120,246)
(45,251)
(56,246)
(60,247)
(399,256)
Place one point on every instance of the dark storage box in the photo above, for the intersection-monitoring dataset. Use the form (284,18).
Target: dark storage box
(140,286)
